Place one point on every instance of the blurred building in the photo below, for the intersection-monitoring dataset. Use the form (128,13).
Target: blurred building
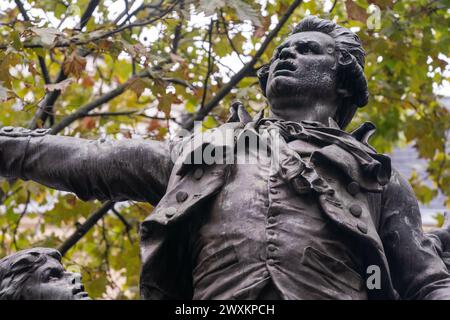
(406,160)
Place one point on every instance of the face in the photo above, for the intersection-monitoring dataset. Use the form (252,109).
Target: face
(303,66)
(51,282)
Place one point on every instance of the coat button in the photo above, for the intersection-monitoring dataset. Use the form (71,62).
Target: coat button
(356,210)
(353,188)
(181,196)
(271,262)
(7,129)
(273,191)
(362,227)
(198,173)
(271,247)
(265,274)
(272,220)
(273,179)
(170,212)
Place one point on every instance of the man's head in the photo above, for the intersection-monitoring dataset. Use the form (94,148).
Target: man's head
(320,65)
(37,274)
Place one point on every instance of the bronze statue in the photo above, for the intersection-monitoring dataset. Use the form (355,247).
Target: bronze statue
(316,217)
(37,274)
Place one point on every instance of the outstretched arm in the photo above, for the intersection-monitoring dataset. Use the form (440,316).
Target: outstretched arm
(92,169)
(417,270)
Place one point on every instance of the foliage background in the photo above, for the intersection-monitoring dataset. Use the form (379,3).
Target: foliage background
(141,69)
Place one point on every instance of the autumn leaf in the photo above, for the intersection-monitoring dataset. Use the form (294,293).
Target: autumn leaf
(355,12)
(165,103)
(88,123)
(87,82)
(138,85)
(74,64)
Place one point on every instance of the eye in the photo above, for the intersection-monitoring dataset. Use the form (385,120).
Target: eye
(54,274)
(304,49)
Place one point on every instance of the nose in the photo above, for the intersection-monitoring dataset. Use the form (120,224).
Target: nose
(287,53)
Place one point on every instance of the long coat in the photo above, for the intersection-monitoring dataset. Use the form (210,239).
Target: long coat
(388,224)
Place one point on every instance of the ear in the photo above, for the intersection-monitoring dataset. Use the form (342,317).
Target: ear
(263,75)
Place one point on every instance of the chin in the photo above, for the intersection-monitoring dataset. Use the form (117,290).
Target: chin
(281,86)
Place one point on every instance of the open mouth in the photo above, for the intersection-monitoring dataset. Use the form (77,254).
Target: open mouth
(79,293)
(284,66)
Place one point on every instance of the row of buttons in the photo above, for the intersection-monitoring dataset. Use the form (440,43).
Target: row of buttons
(182,196)
(271,247)
(353,188)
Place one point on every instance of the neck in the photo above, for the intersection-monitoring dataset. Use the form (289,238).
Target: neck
(319,112)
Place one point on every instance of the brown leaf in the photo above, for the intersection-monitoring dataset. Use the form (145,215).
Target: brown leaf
(74,64)
(261,30)
(71,200)
(88,123)
(87,82)
(355,12)
(165,103)
(32,68)
(138,85)
(59,86)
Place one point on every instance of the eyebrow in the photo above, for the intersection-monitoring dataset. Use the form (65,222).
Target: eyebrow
(286,44)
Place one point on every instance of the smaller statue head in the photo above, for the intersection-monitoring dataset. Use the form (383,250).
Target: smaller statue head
(37,274)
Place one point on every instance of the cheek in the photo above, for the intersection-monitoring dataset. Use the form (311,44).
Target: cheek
(55,290)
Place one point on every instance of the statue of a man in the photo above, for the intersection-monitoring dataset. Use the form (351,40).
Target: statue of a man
(37,274)
(320,216)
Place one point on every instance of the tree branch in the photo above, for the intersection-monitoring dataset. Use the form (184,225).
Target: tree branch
(45,108)
(67,43)
(84,111)
(127,225)
(85,227)
(41,60)
(22,214)
(202,113)
(230,41)
(209,70)
(87,14)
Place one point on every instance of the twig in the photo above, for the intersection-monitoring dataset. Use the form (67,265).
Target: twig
(41,60)
(45,108)
(332,7)
(85,227)
(209,70)
(126,113)
(127,225)
(84,111)
(22,214)
(87,14)
(229,38)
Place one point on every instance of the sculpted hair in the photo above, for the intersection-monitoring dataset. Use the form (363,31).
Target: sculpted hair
(352,83)
(15,270)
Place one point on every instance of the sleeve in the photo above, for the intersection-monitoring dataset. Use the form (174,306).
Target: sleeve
(92,169)
(417,270)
